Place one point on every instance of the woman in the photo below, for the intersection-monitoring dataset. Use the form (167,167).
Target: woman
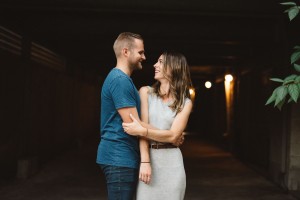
(166,107)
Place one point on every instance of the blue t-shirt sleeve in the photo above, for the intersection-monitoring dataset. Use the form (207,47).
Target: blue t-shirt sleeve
(123,93)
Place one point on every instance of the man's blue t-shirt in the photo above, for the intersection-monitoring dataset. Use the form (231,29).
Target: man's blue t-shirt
(117,147)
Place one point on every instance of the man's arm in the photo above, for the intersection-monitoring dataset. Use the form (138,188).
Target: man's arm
(125,114)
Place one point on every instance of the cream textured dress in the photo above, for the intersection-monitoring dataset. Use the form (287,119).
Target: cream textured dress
(168,179)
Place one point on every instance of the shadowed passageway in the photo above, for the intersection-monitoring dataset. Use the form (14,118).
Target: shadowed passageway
(55,55)
(212,174)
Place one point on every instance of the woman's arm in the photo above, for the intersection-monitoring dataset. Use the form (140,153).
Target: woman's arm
(171,136)
(145,167)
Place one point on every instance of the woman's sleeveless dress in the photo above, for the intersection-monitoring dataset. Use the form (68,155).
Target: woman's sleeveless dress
(168,180)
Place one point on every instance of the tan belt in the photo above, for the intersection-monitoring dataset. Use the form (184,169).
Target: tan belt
(161,146)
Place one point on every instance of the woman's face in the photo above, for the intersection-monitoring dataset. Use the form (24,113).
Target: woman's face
(158,66)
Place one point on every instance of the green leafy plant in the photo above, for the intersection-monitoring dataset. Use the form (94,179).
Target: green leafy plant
(289,91)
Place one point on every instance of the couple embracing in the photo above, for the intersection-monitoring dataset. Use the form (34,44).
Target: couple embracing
(141,130)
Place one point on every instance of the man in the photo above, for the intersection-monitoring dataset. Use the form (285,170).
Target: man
(118,152)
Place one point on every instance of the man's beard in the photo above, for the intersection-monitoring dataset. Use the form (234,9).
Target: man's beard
(136,66)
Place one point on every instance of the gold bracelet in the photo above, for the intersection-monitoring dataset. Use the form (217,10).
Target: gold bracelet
(145,162)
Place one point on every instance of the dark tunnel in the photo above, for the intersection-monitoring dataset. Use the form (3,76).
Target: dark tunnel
(55,55)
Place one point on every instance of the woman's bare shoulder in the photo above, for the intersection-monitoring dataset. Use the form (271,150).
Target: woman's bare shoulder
(145,89)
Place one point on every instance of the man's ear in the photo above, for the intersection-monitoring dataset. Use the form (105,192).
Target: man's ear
(125,52)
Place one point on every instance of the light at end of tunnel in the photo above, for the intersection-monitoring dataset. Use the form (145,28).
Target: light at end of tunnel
(228,78)
(192,91)
(208,84)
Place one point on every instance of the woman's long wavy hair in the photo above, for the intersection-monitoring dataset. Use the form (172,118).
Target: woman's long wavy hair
(176,71)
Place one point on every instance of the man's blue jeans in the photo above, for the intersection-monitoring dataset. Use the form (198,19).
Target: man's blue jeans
(121,182)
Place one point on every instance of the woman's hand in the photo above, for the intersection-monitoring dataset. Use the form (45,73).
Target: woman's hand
(134,128)
(145,172)
(179,140)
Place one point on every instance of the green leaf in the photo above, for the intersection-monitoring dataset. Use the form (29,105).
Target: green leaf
(277,80)
(280,104)
(293,12)
(290,77)
(289,3)
(297,67)
(294,92)
(297,47)
(272,97)
(297,79)
(295,56)
(290,100)
(281,93)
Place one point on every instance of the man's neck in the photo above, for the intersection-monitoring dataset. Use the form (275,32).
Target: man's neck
(125,69)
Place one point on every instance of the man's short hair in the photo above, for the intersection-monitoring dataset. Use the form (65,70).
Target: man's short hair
(125,39)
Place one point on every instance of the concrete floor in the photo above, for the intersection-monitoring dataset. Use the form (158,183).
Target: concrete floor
(212,174)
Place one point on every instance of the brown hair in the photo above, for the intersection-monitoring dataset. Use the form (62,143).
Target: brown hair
(179,78)
(125,39)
